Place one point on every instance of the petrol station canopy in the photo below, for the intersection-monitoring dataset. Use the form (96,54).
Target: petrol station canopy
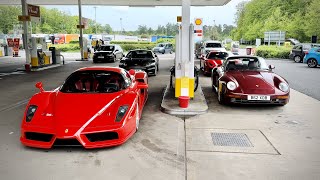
(119,2)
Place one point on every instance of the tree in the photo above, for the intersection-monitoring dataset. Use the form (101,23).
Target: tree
(313,15)
(9,18)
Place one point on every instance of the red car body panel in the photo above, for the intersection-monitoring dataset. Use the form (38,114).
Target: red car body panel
(74,116)
(209,64)
(250,82)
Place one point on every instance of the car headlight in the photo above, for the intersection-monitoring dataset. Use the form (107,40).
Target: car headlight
(231,85)
(30,112)
(121,112)
(151,64)
(284,87)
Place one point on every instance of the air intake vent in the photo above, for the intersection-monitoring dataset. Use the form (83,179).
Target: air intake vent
(103,136)
(38,136)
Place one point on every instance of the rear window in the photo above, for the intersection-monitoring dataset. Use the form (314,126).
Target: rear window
(213,45)
(141,54)
(106,48)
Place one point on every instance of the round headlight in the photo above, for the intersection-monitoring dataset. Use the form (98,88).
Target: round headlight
(283,87)
(231,85)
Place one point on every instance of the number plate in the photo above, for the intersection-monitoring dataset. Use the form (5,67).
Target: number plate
(101,57)
(258,98)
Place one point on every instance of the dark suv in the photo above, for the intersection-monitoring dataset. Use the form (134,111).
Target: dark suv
(298,51)
(109,53)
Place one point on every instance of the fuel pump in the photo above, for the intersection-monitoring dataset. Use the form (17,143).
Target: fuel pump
(39,55)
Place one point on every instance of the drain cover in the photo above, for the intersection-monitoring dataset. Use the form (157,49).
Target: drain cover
(231,139)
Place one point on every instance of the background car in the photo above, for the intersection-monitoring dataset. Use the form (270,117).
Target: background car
(108,53)
(248,80)
(95,107)
(298,51)
(163,48)
(141,59)
(209,46)
(212,60)
(312,57)
(235,47)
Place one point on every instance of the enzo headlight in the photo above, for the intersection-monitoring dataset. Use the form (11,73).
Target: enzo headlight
(30,112)
(121,112)
(284,87)
(231,85)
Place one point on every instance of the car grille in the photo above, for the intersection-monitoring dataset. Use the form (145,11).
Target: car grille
(244,101)
(102,136)
(38,136)
(66,142)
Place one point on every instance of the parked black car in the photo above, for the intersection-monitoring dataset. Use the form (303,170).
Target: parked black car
(108,53)
(141,59)
(298,51)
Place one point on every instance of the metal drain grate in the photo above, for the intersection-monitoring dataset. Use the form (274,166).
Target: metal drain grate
(231,139)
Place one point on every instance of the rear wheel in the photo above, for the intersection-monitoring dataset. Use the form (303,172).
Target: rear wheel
(297,59)
(312,63)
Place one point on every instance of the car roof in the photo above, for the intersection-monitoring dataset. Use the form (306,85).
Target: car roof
(101,68)
(242,56)
(212,41)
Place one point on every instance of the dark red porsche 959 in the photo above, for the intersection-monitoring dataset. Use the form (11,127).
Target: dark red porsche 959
(249,80)
(95,107)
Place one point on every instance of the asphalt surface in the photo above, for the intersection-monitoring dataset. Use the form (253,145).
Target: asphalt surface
(300,77)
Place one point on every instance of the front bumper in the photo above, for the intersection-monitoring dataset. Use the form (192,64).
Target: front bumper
(96,137)
(236,98)
(105,58)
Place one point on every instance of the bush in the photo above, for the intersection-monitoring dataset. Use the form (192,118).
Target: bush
(128,47)
(67,47)
(273,52)
(131,42)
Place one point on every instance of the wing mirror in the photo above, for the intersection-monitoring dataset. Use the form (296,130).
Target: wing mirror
(271,67)
(142,86)
(132,72)
(39,85)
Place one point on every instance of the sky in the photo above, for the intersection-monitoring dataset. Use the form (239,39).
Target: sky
(132,17)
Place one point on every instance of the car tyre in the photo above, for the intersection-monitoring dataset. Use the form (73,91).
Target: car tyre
(312,63)
(297,59)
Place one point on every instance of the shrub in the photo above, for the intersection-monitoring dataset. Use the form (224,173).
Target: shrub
(128,47)
(273,52)
(67,47)
(131,42)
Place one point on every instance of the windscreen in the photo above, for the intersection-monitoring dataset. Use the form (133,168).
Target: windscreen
(141,54)
(217,55)
(246,64)
(93,82)
(213,45)
(106,48)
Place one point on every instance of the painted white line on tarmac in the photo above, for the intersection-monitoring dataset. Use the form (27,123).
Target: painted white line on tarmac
(15,105)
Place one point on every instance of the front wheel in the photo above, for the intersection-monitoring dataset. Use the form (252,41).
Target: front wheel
(297,59)
(312,63)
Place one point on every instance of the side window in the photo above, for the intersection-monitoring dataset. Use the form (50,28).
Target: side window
(127,79)
(129,54)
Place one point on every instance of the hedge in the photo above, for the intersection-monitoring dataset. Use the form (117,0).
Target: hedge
(125,47)
(273,52)
(131,42)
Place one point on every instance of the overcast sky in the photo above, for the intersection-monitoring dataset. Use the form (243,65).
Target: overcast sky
(153,16)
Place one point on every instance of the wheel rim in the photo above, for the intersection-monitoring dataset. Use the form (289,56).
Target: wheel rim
(297,59)
(312,63)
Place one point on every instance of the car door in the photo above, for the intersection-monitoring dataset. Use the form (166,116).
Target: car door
(297,50)
(116,51)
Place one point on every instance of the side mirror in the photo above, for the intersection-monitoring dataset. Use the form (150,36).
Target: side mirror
(132,72)
(142,86)
(271,67)
(39,86)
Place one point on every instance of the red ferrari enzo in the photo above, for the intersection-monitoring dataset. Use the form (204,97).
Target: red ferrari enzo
(248,80)
(95,107)
(211,60)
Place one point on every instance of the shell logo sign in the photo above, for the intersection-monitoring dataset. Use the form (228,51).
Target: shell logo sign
(198,21)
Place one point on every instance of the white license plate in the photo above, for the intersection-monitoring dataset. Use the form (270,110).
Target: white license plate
(258,98)
(101,57)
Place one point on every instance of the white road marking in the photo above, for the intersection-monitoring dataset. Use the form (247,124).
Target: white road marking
(11,133)
(20,103)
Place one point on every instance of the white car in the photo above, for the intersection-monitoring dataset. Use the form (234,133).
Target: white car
(209,46)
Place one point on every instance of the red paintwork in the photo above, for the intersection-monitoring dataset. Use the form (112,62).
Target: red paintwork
(209,64)
(251,82)
(72,115)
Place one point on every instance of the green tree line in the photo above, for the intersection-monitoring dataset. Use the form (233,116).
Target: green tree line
(299,18)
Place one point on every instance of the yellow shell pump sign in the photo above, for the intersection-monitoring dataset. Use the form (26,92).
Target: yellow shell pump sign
(198,21)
